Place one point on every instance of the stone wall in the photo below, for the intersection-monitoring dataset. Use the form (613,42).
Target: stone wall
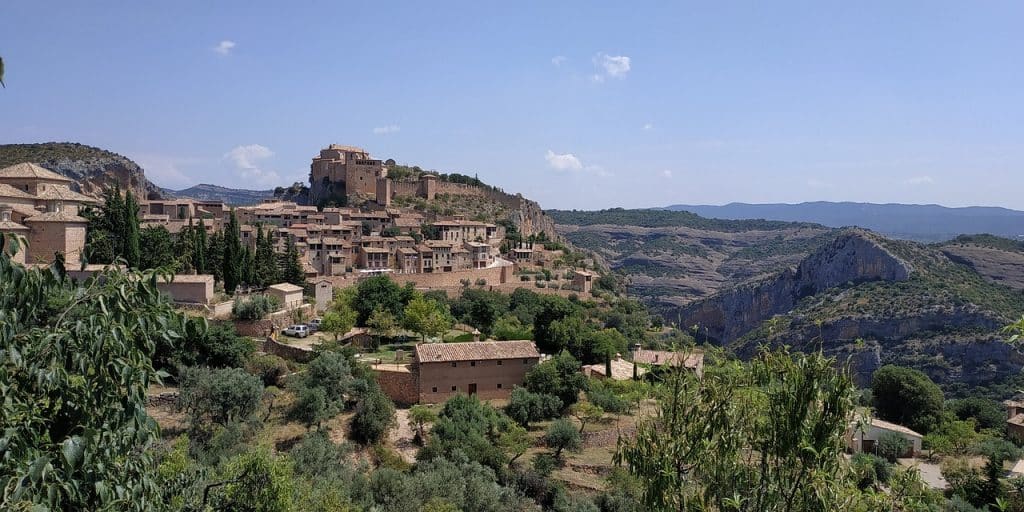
(401,385)
(289,352)
(444,280)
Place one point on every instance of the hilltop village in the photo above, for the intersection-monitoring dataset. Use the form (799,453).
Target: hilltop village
(448,331)
(336,244)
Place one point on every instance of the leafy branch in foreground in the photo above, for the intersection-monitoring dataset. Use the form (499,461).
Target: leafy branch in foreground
(75,363)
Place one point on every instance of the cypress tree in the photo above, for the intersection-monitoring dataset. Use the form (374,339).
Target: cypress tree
(214,257)
(266,259)
(132,250)
(200,248)
(232,254)
(291,269)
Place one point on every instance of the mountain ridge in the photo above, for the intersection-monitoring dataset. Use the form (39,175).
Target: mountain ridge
(920,222)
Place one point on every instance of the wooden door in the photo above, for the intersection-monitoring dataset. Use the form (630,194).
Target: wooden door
(472,388)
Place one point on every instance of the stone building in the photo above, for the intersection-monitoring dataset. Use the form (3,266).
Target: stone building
(39,205)
(344,170)
(488,369)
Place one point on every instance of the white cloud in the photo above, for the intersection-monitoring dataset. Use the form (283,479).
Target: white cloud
(384,130)
(598,170)
(667,174)
(615,66)
(167,171)
(558,60)
(224,47)
(563,162)
(919,180)
(649,126)
(248,159)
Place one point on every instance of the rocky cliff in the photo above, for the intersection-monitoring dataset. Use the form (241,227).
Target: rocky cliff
(853,257)
(93,169)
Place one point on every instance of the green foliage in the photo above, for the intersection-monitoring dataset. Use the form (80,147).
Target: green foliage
(525,407)
(74,372)
(870,470)
(549,337)
(419,417)
(427,317)
(586,412)
(891,446)
(256,481)
(218,346)
(378,292)
(558,376)
(338,322)
(562,435)
(265,271)
(325,389)
(232,261)
(219,396)
(509,327)
(158,248)
(907,397)
(469,427)
(792,410)
(481,308)
(270,368)
(602,394)
(291,267)
(256,307)
(375,415)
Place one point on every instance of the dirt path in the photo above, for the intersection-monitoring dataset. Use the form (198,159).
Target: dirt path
(401,436)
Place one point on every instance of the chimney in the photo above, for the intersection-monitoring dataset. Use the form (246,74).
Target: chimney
(476,335)
(5,213)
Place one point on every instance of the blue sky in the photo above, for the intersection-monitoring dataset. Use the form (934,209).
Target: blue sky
(575,104)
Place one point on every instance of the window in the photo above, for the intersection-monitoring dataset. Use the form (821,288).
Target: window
(472,363)
(526,361)
(499,385)
(455,388)
(499,362)
(454,364)
(433,389)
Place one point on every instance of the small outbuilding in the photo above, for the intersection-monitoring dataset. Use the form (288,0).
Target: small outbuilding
(863,436)
(289,295)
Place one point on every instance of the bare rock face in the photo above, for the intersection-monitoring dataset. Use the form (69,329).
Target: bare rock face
(853,257)
(93,169)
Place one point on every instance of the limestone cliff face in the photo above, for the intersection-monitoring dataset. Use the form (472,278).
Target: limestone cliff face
(93,169)
(853,257)
(95,175)
(530,218)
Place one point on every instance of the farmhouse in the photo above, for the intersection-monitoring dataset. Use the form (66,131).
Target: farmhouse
(488,369)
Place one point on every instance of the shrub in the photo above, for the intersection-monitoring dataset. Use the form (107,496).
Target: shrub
(481,282)
(256,307)
(562,435)
(892,446)
(220,396)
(269,368)
(603,396)
(525,407)
(374,416)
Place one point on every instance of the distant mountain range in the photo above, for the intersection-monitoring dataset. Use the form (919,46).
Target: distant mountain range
(233,196)
(925,222)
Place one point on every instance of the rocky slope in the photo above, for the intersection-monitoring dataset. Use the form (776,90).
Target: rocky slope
(1000,260)
(93,169)
(675,258)
(234,196)
(853,257)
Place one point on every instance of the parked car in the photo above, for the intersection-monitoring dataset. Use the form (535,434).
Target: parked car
(296,331)
(314,325)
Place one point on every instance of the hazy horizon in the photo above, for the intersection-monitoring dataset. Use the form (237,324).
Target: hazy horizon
(574,105)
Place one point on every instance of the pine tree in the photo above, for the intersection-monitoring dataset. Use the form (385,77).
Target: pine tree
(291,267)
(132,249)
(232,264)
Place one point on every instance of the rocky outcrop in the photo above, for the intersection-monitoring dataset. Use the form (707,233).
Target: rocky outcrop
(93,169)
(853,257)
(530,218)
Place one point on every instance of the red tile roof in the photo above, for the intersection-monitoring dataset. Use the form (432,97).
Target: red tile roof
(475,351)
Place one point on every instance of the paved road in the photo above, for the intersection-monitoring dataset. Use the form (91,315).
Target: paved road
(931,474)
